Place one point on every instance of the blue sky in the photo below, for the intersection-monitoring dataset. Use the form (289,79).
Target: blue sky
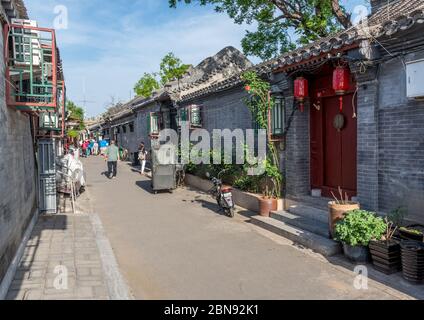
(109,44)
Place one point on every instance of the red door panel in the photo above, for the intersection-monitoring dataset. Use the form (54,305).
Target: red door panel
(332,145)
(333,152)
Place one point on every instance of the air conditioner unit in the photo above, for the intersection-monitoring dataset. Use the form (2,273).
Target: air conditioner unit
(25,41)
(415,79)
(49,121)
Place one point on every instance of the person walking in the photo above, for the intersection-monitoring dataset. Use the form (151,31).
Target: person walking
(112,157)
(96,148)
(142,155)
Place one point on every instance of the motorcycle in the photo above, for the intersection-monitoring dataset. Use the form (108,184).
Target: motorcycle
(223,196)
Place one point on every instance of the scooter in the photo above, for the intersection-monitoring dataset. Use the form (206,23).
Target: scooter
(223,196)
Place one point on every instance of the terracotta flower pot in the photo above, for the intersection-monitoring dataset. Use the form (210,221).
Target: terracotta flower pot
(266,205)
(337,212)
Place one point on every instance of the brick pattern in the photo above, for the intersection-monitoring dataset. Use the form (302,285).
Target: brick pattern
(17,176)
(367,158)
(225,110)
(297,154)
(58,243)
(401,159)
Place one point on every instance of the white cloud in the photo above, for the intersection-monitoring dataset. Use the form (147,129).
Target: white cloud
(111,57)
(125,56)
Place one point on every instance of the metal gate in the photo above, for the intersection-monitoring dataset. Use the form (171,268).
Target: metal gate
(47,176)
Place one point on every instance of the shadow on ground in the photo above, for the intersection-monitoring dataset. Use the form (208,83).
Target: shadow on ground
(34,257)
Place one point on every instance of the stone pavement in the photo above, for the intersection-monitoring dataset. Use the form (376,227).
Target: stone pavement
(68,258)
(61,261)
(177,246)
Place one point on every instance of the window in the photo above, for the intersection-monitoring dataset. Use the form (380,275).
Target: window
(118,130)
(124,129)
(131,125)
(191,114)
(195,116)
(153,123)
(277,115)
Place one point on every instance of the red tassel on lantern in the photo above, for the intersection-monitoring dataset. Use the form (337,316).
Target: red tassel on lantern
(301,91)
(341,83)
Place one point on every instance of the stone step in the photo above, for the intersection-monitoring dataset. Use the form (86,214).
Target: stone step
(308,239)
(309,212)
(302,222)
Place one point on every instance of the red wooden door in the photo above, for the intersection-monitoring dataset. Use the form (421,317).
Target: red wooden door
(333,152)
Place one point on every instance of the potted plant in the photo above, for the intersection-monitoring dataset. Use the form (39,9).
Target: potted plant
(385,252)
(338,208)
(260,104)
(412,232)
(356,230)
(267,203)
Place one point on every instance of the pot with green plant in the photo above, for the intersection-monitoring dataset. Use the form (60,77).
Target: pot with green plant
(412,232)
(267,203)
(356,230)
(260,103)
(385,252)
(338,208)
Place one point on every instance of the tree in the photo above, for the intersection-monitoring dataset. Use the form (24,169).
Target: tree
(171,68)
(277,19)
(146,85)
(75,113)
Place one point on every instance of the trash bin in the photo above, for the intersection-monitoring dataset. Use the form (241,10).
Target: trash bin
(164,168)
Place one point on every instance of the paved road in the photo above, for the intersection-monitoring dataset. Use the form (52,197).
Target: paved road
(176,246)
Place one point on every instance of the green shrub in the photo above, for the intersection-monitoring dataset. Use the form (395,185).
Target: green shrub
(359,227)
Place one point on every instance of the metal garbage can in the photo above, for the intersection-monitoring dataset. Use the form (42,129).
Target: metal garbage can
(163,168)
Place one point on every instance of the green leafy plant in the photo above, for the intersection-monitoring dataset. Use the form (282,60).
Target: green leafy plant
(412,231)
(281,25)
(73,134)
(172,68)
(260,103)
(397,215)
(146,85)
(359,227)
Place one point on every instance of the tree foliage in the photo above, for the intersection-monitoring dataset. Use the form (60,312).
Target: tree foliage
(277,20)
(75,112)
(172,68)
(146,85)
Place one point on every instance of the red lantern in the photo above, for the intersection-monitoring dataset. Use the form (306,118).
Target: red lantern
(301,91)
(341,83)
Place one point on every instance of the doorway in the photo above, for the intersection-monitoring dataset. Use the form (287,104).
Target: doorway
(333,140)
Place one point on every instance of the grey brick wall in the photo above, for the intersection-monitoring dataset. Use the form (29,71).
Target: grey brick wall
(297,154)
(225,110)
(400,143)
(17,176)
(390,141)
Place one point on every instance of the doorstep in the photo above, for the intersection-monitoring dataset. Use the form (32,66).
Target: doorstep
(302,223)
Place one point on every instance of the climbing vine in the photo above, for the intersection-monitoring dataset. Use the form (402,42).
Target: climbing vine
(260,103)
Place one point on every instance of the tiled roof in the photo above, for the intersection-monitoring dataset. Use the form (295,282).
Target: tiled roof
(396,16)
(234,80)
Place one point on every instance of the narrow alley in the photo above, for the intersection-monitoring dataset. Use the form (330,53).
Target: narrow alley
(177,246)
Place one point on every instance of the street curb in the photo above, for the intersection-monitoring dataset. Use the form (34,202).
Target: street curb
(115,282)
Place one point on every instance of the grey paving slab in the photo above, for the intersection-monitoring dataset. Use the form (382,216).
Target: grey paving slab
(177,246)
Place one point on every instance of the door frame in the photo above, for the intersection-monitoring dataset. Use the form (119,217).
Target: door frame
(321,88)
